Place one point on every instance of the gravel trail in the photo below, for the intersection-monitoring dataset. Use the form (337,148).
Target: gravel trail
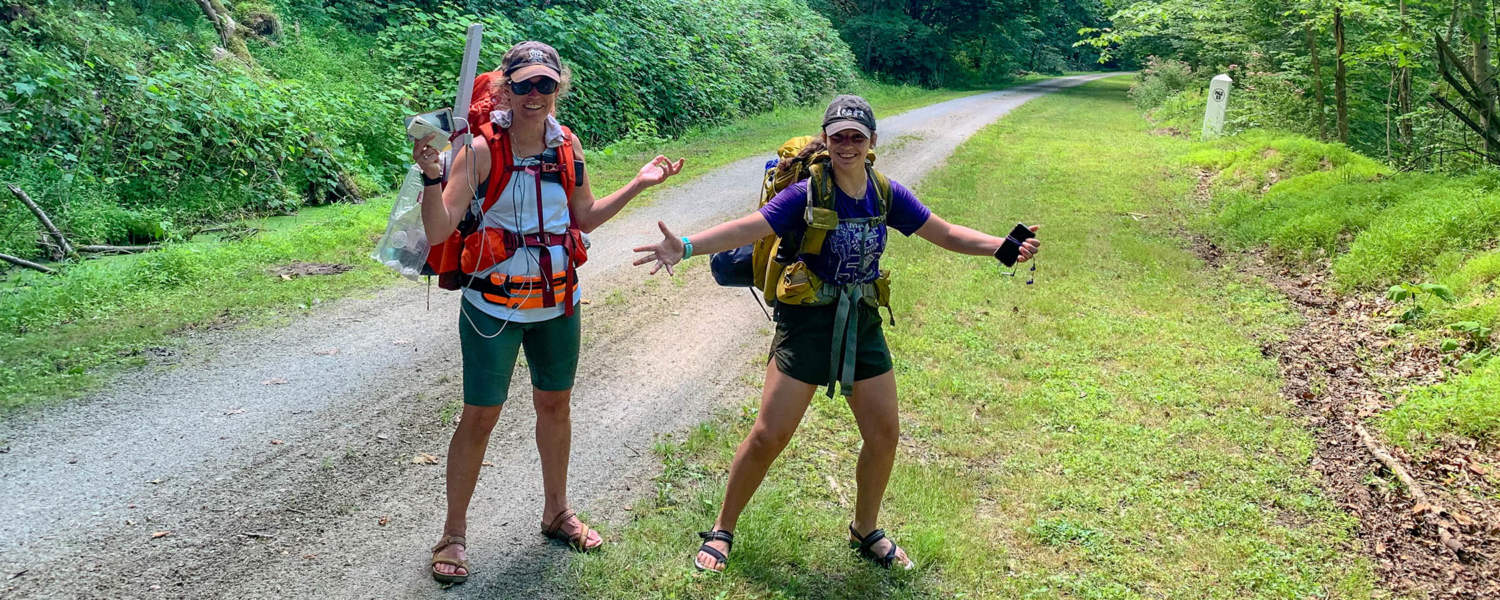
(283,468)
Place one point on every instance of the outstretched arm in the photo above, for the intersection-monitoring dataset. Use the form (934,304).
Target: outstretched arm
(592,213)
(963,240)
(721,237)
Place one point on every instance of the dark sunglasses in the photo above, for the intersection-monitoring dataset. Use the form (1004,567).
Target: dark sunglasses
(544,87)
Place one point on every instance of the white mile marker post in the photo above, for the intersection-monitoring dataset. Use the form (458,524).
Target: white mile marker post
(1218,101)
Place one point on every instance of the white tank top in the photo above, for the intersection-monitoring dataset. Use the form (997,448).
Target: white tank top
(515,210)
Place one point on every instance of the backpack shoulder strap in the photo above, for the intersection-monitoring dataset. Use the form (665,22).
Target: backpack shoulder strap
(565,160)
(499,142)
(882,189)
(567,171)
(819,186)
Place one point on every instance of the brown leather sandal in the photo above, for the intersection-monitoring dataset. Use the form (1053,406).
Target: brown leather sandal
(579,541)
(449,540)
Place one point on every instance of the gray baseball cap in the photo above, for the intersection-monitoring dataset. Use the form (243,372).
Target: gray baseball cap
(529,59)
(849,112)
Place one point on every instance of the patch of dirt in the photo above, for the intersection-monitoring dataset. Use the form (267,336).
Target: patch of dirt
(1340,369)
(1272,177)
(305,269)
(1203,191)
(1168,131)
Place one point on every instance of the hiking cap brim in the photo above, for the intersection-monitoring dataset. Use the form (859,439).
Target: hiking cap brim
(529,71)
(838,126)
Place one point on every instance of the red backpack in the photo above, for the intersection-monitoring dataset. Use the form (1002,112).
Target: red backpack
(470,249)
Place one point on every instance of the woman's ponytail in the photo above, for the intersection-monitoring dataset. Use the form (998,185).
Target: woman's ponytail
(802,158)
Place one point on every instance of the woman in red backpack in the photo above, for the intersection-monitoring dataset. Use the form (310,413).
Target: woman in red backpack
(516,202)
(829,332)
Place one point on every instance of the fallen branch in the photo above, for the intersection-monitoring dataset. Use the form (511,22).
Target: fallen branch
(62,242)
(252,534)
(117,249)
(1424,507)
(21,262)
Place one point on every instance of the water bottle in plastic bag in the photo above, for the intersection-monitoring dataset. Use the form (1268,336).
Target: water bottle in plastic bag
(404,246)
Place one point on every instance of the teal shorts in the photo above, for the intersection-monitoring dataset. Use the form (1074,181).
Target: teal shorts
(551,354)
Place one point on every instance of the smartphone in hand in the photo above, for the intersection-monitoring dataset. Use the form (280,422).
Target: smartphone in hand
(1011,249)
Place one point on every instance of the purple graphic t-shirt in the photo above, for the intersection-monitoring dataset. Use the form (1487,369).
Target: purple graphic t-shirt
(851,253)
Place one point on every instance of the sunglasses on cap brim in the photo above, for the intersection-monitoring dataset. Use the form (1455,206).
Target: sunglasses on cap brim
(544,87)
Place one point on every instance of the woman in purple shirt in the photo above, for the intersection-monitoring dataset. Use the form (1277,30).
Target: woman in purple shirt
(837,340)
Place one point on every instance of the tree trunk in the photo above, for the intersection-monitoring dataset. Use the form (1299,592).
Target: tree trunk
(1317,82)
(229,31)
(1483,72)
(1404,87)
(1340,75)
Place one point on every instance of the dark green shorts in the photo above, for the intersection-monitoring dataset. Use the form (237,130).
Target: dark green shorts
(551,354)
(803,344)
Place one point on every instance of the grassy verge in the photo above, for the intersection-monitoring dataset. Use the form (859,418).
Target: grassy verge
(1310,203)
(63,334)
(1112,431)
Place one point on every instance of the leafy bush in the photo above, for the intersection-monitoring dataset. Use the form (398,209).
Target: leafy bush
(120,122)
(143,136)
(1162,79)
(1263,97)
(1182,111)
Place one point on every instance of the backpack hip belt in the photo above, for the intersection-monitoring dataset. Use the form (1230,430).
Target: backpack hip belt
(521,292)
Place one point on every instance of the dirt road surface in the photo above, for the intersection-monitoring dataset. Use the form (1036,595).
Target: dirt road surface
(278,467)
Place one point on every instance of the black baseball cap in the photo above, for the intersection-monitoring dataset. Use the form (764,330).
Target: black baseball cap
(849,112)
(529,59)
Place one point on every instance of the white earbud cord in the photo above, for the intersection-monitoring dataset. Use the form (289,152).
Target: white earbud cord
(514,191)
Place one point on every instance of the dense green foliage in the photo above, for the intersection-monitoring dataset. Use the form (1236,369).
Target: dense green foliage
(976,42)
(1269,48)
(123,121)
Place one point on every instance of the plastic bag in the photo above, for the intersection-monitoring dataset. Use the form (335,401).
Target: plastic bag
(404,245)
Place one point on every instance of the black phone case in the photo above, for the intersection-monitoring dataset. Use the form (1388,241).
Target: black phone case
(1010,251)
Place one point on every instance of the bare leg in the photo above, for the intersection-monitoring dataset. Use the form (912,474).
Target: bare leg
(782,403)
(465,453)
(554,439)
(874,406)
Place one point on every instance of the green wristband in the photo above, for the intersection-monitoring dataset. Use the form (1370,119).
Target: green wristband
(687,248)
